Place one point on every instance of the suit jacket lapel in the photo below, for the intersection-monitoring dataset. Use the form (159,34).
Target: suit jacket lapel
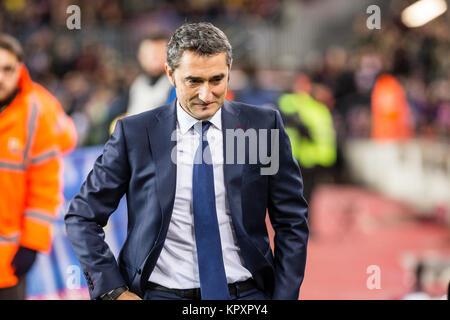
(232,171)
(231,119)
(162,136)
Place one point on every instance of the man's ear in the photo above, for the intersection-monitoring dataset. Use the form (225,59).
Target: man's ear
(169,73)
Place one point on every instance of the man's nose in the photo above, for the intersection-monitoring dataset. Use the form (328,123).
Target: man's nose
(206,93)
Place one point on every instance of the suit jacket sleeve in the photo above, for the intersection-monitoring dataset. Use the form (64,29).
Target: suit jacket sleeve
(89,211)
(288,212)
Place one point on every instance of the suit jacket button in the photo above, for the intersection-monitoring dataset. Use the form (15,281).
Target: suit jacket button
(139,271)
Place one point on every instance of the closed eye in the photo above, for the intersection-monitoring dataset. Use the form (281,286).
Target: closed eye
(194,80)
(217,78)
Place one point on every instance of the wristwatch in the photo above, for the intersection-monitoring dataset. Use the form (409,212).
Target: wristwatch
(114,294)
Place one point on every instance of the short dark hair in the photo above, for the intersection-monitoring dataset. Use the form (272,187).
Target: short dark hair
(203,38)
(11,44)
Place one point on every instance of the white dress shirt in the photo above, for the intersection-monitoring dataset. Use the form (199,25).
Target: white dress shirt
(177,266)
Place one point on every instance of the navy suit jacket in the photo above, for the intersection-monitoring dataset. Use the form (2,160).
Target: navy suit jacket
(136,161)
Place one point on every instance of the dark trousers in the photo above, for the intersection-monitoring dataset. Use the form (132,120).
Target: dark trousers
(252,294)
(16,292)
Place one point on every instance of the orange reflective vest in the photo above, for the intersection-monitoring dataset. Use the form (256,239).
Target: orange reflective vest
(30,175)
(391,116)
(62,124)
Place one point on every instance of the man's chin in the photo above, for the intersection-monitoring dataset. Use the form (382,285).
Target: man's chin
(202,112)
(3,96)
(203,115)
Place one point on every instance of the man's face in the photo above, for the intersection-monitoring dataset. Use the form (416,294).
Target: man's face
(151,56)
(9,73)
(201,83)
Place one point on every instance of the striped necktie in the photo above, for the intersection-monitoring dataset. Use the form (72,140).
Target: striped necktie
(213,282)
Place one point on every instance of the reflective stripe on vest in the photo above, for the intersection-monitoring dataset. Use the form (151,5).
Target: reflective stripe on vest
(38,215)
(31,127)
(5,164)
(11,239)
(43,157)
(12,166)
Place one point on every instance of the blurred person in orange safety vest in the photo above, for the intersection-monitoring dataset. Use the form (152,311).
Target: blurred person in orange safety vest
(34,132)
(391,116)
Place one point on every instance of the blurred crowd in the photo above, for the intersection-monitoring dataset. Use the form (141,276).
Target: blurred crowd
(417,58)
(91,70)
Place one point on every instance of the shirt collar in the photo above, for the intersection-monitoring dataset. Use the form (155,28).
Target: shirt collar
(186,121)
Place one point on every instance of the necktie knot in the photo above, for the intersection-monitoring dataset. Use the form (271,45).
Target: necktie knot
(202,127)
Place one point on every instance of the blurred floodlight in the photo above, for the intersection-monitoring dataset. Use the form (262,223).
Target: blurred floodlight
(422,12)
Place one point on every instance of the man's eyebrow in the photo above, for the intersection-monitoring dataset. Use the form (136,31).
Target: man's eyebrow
(194,78)
(216,77)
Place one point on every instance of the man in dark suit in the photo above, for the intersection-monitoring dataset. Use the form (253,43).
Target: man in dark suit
(197,192)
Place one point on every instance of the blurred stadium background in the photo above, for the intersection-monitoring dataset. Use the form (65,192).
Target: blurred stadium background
(383,203)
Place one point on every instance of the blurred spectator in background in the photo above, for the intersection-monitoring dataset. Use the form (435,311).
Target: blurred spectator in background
(254,93)
(310,127)
(352,85)
(391,116)
(63,126)
(152,88)
(34,133)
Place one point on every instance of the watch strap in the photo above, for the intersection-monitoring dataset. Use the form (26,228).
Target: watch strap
(114,294)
